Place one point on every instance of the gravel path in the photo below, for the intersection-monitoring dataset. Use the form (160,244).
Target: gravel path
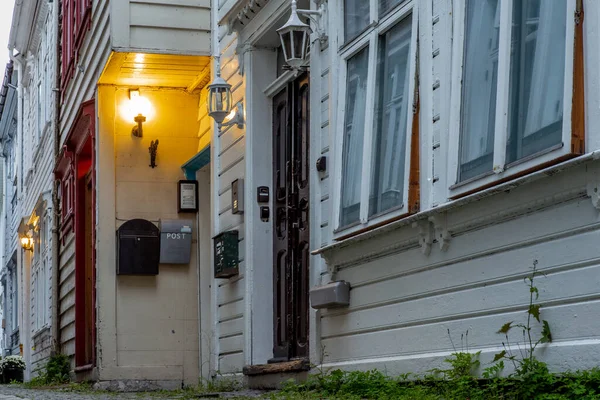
(15,392)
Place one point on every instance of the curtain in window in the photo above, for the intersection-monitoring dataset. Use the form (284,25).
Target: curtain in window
(356,17)
(354,131)
(387,5)
(480,76)
(537,76)
(389,146)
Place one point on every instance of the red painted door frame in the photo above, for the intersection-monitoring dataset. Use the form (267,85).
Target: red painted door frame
(81,143)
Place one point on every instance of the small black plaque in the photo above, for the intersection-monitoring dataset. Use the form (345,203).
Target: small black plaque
(226,254)
(187,196)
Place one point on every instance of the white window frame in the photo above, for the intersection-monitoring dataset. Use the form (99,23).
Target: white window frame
(40,274)
(501,170)
(370,38)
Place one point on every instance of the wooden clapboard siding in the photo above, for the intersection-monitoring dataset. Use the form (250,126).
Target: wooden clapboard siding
(66,293)
(93,56)
(229,148)
(94,53)
(36,147)
(403,300)
(163,26)
(402,304)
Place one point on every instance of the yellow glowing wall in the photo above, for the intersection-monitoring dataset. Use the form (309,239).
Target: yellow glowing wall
(148,326)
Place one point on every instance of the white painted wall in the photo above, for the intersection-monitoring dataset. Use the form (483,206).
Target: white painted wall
(35,146)
(161,26)
(228,164)
(403,301)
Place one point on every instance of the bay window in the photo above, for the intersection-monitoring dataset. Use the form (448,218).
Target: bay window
(517,85)
(376,110)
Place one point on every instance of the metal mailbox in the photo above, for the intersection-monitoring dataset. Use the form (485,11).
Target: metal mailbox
(138,248)
(226,254)
(331,295)
(175,241)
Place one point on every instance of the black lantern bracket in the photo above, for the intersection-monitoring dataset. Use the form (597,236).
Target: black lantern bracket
(319,19)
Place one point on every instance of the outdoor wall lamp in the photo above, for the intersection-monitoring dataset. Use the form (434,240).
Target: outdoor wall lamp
(27,242)
(219,102)
(295,35)
(140,108)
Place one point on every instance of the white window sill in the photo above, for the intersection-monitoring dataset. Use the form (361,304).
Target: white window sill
(325,251)
(40,331)
(382,218)
(552,154)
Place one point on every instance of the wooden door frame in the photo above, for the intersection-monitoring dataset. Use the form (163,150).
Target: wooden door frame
(290,91)
(81,144)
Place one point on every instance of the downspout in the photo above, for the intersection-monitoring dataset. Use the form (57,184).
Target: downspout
(17,60)
(55,184)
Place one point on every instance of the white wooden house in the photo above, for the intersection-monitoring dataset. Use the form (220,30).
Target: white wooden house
(33,45)
(452,163)
(416,156)
(120,327)
(10,211)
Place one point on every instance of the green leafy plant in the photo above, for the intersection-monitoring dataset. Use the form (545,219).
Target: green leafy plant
(525,361)
(55,372)
(463,363)
(58,369)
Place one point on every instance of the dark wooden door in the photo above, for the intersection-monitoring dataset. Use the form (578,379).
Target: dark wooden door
(291,127)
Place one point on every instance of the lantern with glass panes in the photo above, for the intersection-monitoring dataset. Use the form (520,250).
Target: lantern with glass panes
(295,35)
(219,102)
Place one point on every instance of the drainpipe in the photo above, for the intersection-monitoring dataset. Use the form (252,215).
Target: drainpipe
(18,62)
(55,184)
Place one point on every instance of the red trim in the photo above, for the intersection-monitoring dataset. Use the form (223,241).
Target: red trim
(76,161)
(64,172)
(76,21)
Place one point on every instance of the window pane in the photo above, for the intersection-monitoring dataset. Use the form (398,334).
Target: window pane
(480,75)
(387,5)
(354,131)
(536,77)
(356,17)
(389,141)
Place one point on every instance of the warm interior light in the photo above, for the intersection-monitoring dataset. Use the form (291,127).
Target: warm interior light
(138,110)
(138,105)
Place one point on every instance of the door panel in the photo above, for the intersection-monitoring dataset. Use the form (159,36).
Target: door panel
(280,233)
(291,140)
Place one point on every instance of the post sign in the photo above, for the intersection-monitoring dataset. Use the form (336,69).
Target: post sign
(226,254)
(176,241)
(187,196)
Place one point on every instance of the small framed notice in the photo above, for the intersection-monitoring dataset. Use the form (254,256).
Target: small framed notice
(187,194)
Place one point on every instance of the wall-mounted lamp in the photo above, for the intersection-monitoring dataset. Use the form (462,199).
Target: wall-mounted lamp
(295,34)
(219,102)
(140,108)
(27,242)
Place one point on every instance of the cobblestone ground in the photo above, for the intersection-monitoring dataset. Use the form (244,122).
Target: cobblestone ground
(14,392)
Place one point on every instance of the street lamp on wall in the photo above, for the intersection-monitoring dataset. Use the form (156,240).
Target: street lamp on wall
(220,102)
(295,35)
(27,242)
(140,108)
